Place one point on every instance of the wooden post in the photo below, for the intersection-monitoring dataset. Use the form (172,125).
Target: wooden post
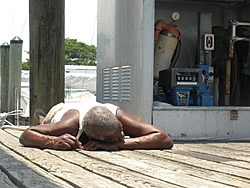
(47,66)
(15,71)
(5,54)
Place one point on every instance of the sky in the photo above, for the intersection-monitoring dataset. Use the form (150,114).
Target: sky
(80,21)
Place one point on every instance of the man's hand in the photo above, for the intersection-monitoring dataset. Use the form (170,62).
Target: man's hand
(93,145)
(66,142)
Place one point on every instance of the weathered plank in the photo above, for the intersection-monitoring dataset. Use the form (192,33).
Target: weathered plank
(181,157)
(186,165)
(117,173)
(240,146)
(15,131)
(127,177)
(157,172)
(77,176)
(185,169)
(223,155)
(122,175)
(5,182)
(25,174)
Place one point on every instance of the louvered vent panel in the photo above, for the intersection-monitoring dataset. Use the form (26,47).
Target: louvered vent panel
(125,83)
(115,83)
(106,84)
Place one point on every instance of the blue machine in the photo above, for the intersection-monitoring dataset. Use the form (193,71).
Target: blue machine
(187,86)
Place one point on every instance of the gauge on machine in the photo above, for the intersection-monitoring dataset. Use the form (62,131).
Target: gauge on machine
(176,16)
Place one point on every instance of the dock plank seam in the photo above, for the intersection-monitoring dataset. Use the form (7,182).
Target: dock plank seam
(200,163)
(113,169)
(188,169)
(159,173)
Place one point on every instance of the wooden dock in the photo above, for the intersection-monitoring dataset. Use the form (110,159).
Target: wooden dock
(223,164)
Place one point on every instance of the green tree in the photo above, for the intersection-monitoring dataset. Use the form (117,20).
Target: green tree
(76,53)
(79,53)
(26,65)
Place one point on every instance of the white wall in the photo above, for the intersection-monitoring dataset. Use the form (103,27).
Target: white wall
(125,42)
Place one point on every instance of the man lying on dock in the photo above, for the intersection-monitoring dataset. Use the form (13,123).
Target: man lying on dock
(92,126)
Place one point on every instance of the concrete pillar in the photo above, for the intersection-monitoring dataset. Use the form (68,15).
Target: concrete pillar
(15,71)
(4,61)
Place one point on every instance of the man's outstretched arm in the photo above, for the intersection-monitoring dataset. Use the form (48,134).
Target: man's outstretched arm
(142,135)
(59,136)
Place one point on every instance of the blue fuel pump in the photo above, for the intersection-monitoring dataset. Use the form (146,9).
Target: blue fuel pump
(187,86)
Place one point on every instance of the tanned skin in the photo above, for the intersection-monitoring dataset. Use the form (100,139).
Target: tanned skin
(62,135)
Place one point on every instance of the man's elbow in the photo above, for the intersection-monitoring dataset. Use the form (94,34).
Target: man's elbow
(167,142)
(170,143)
(23,138)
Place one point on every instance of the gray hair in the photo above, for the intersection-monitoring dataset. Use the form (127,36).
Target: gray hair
(99,122)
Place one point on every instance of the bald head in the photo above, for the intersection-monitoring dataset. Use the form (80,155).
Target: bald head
(99,122)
